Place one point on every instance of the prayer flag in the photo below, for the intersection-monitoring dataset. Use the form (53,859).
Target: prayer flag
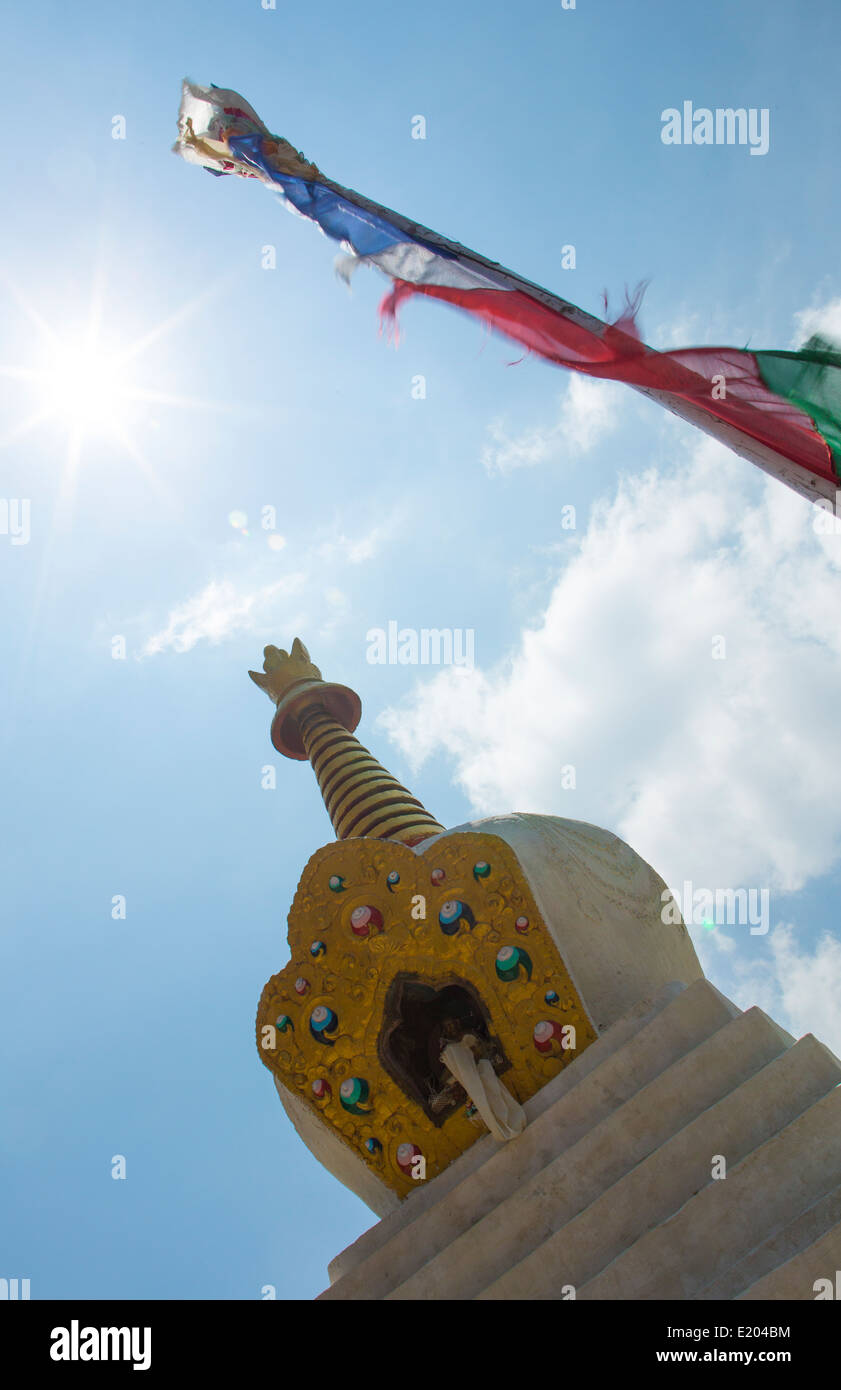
(781,410)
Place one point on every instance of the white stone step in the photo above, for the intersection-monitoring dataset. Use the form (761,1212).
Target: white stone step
(790,1238)
(429,1194)
(599,1156)
(782,1150)
(796,1278)
(635,1050)
(616,1228)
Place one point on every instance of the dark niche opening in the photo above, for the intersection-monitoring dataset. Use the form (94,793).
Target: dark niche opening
(419,1020)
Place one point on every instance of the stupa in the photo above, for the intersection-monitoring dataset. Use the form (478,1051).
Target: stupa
(492,1036)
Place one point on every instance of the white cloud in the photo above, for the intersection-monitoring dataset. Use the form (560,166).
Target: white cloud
(824,319)
(222,609)
(716,770)
(363,547)
(799,987)
(337,604)
(587,414)
(355,549)
(248,601)
(688,330)
(810,985)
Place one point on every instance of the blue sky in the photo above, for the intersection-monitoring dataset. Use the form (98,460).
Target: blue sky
(142,776)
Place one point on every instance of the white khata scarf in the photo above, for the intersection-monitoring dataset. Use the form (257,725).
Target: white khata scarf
(503,1115)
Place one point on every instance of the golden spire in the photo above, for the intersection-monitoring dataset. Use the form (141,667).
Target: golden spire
(315,720)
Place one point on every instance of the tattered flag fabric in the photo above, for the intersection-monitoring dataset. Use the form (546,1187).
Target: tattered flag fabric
(781,410)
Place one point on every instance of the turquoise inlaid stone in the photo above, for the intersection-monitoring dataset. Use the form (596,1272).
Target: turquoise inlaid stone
(353,1094)
(322,1022)
(510,961)
(454,914)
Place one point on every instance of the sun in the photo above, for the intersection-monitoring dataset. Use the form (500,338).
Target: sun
(88,382)
(87,386)
(84,384)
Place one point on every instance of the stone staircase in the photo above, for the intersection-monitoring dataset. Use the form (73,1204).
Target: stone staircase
(609,1190)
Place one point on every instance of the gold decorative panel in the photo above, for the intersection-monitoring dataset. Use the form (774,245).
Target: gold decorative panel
(371,914)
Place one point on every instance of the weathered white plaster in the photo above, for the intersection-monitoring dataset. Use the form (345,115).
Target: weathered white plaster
(602,904)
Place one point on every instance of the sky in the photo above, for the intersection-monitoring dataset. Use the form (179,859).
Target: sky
(220,395)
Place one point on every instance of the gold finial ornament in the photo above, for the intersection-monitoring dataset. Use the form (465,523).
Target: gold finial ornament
(294,684)
(283,669)
(315,720)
